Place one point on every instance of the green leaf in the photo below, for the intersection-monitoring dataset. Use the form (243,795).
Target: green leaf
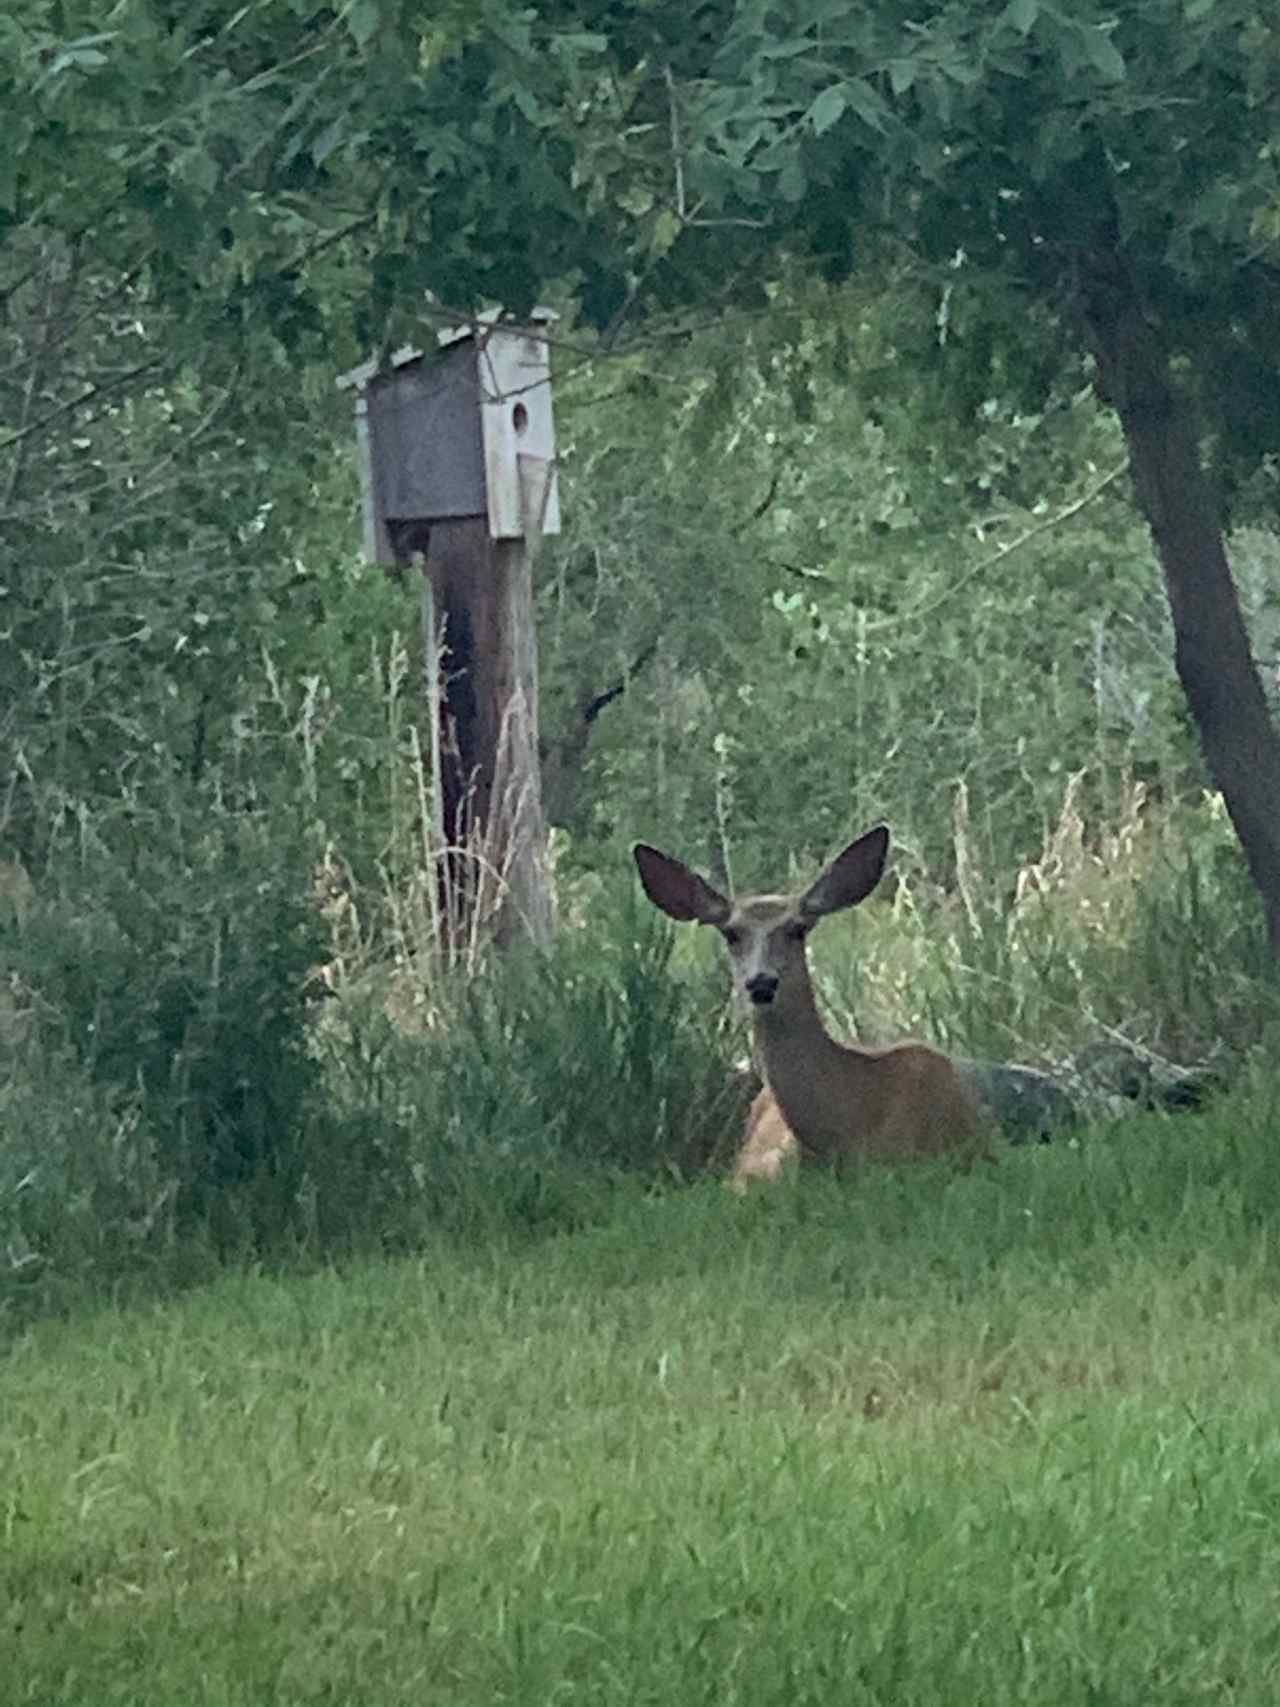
(864,101)
(333,134)
(635,199)
(83,55)
(198,170)
(791,180)
(666,228)
(786,49)
(1104,55)
(530,108)
(1022,14)
(363,18)
(581,41)
(827,109)
(902,74)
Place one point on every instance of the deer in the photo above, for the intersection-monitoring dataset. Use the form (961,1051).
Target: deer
(836,1102)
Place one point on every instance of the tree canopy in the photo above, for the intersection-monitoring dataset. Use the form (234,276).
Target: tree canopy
(309,172)
(252,199)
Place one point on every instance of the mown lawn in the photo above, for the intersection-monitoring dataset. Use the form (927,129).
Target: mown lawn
(903,1438)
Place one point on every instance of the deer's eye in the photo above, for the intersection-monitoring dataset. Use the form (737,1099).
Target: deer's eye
(795,930)
(731,936)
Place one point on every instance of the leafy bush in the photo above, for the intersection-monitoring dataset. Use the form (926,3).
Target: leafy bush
(585,1060)
(171,969)
(1145,929)
(82,1191)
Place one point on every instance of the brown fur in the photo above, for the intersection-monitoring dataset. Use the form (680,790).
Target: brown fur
(768,1144)
(822,1099)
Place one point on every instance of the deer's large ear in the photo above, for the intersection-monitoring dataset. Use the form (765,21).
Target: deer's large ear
(679,892)
(850,877)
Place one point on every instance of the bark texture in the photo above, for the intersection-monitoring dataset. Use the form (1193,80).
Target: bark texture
(495,840)
(1212,654)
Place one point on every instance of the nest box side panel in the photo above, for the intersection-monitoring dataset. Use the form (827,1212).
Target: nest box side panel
(426,440)
(515,384)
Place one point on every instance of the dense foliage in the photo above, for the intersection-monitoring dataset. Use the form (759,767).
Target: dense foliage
(849,535)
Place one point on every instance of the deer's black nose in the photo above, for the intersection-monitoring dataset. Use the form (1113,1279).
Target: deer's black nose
(762,987)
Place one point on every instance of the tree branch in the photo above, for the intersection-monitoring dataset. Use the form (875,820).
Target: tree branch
(997,557)
(591,708)
(100,389)
(43,342)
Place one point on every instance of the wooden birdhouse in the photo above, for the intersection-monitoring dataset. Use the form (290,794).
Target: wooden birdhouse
(458,467)
(464,432)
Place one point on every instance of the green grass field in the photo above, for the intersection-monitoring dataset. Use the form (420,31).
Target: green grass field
(908,1437)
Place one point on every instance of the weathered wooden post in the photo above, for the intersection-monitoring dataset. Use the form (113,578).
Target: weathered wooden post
(457,454)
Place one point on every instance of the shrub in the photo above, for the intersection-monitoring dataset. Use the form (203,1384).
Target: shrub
(171,970)
(585,1060)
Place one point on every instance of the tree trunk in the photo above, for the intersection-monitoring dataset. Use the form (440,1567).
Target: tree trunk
(1214,662)
(495,860)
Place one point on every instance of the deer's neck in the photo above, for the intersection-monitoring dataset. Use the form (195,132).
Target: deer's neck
(819,1084)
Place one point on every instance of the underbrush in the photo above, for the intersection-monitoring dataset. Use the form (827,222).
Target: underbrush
(168,1091)
(175,1095)
(1146,932)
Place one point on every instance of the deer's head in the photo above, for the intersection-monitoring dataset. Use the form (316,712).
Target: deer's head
(765,934)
